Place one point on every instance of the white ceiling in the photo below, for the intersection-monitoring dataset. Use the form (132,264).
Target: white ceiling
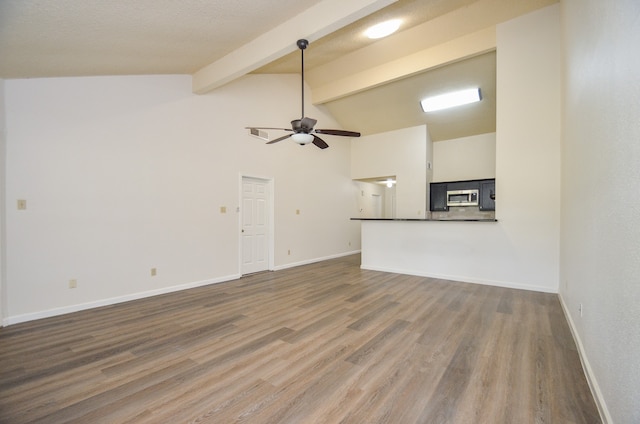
(396,105)
(351,37)
(369,86)
(45,38)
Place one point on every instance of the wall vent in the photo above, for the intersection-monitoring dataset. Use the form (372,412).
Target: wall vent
(259,133)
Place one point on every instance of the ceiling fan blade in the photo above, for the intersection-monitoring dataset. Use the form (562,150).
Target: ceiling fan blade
(319,142)
(267,128)
(295,125)
(307,123)
(279,139)
(339,132)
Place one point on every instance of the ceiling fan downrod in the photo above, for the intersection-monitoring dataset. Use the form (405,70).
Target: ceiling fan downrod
(302,44)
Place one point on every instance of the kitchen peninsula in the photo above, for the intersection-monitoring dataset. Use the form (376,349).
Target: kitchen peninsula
(512,246)
(460,250)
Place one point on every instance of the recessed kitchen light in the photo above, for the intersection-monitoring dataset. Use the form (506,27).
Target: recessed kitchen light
(383,29)
(452,99)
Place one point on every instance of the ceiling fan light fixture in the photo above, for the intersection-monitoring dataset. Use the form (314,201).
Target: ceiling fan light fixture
(452,99)
(302,138)
(383,29)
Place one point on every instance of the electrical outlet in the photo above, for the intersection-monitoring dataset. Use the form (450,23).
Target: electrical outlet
(154,272)
(22,204)
(73,284)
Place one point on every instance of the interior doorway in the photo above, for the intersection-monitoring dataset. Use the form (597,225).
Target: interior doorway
(256,245)
(377,197)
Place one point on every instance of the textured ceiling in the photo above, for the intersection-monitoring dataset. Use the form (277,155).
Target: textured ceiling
(44,38)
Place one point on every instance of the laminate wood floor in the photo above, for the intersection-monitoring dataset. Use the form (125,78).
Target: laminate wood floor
(320,343)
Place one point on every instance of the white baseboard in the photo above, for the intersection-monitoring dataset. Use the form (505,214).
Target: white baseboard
(311,261)
(464,279)
(111,301)
(605,416)
(16,319)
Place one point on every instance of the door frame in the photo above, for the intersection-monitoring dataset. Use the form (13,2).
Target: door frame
(271,219)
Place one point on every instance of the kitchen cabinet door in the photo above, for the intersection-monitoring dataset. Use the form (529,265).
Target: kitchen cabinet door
(487,195)
(438,197)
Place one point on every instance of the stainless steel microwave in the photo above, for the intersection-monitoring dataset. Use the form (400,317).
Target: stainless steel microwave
(462,197)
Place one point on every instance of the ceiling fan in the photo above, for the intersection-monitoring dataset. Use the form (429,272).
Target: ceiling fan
(302,131)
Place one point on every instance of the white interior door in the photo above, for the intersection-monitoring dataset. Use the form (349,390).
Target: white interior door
(376,201)
(255,225)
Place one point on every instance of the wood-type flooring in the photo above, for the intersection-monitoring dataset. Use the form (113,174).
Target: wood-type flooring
(320,343)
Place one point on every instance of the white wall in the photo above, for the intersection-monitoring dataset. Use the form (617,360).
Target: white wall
(402,153)
(3,265)
(600,242)
(466,158)
(521,249)
(528,142)
(122,174)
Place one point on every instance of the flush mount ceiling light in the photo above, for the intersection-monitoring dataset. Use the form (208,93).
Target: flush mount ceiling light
(383,29)
(452,99)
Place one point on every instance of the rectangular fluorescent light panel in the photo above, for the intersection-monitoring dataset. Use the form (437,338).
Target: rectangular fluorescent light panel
(452,99)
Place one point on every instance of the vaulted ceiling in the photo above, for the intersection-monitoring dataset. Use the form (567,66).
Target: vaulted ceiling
(368,85)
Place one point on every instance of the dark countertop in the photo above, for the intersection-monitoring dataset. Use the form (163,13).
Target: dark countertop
(424,219)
